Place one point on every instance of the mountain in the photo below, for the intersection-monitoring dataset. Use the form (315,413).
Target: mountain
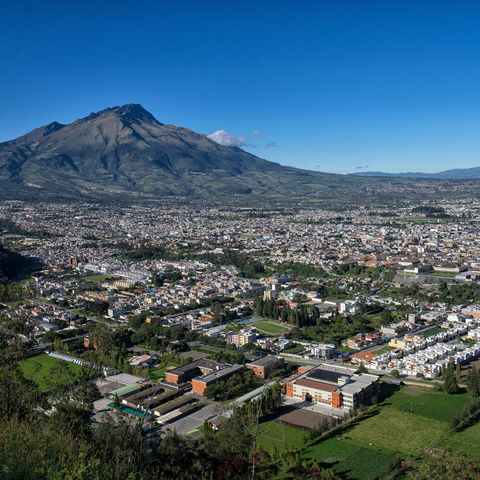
(457,173)
(123,151)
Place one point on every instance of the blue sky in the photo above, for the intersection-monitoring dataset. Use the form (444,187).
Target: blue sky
(336,86)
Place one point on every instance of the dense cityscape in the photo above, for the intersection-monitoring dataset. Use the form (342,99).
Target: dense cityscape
(178,316)
(240,241)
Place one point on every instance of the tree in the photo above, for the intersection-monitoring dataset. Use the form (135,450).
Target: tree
(447,465)
(395,373)
(450,384)
(473,382)
(362,368)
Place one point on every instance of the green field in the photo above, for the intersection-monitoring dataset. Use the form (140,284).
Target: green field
(273,435)
(349,460)
(466,441)
(443,274)
(269,327)
(96,278)
(160,369)
(391,429)
(404,425)
(433,331)
(38,369)
(383,350)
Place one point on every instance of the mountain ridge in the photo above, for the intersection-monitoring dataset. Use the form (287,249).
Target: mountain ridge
(125,150)
(455,173)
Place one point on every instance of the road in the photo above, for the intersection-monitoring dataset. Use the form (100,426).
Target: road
(302,360)
(241,400)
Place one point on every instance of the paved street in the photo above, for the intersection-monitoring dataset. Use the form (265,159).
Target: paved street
(193,421)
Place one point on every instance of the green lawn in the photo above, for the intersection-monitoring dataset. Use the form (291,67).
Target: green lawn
(443,274)
(349,460)
(433,331)
(391,429)
(273,435)
(96,278)
(383,350)
(160,369)
(434,405)
(38,369)
(269,327)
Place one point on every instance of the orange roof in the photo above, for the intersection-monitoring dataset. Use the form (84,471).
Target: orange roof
(365,355)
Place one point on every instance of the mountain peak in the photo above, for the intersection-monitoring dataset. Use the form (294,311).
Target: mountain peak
(133,112)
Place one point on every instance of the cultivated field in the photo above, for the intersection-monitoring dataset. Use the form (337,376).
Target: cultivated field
(404,425)
(349,460)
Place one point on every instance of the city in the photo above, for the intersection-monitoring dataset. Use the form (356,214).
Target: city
(182,314)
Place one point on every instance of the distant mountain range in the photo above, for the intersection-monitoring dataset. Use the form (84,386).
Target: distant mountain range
(455,174)
(125,150)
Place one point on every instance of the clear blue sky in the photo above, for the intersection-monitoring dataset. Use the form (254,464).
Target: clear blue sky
(334,86)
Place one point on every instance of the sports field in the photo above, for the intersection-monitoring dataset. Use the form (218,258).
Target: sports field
(273,435)
(269,327)
(39,369)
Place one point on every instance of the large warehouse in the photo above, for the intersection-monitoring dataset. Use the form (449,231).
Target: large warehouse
(338,387)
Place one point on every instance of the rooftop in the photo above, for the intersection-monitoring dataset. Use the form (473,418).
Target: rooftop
(326,387)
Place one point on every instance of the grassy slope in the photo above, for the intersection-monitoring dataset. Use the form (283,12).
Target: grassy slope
(366,448)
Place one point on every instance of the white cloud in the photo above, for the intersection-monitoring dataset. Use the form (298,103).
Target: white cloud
(231,140)
(228,139)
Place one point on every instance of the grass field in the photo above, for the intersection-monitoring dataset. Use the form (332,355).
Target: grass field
(433,331)
(405,424)
(160,369)
(38,369)
(273,435)
(269,327)
(96,278)
(391,429)
(349,460)
(383,350)
(466,441)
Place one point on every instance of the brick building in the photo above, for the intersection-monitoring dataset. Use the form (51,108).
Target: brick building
(338,387)
(264,365)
